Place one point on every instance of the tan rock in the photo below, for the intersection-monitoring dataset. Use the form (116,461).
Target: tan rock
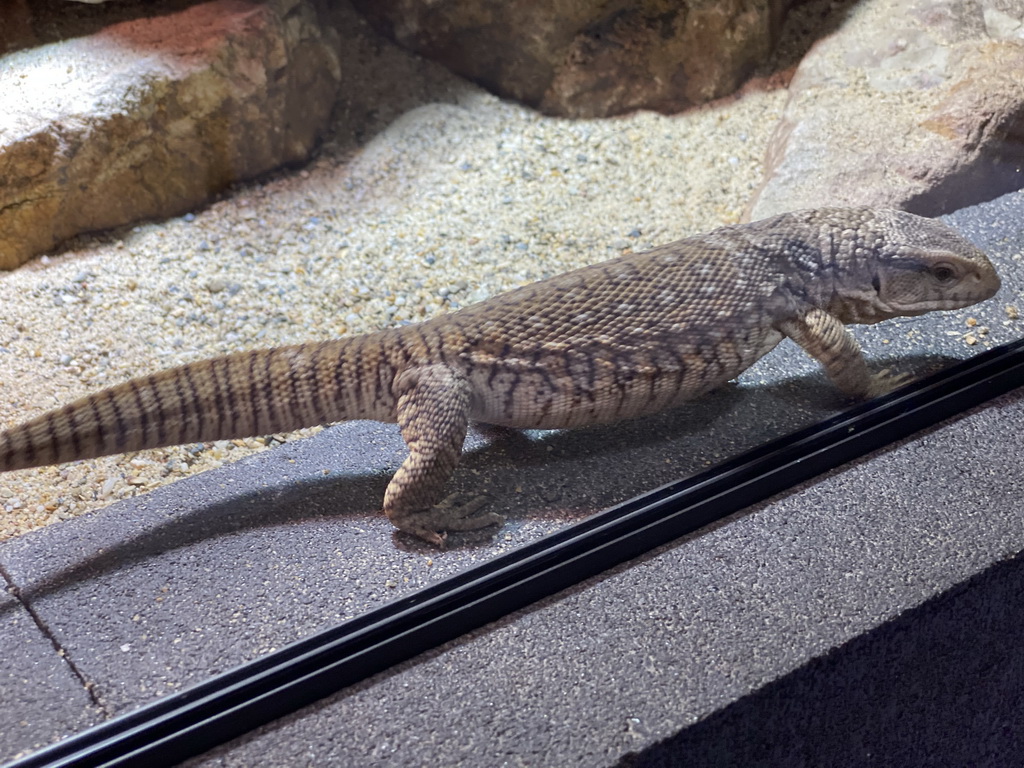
(914,104)
(150,117)
(590,58)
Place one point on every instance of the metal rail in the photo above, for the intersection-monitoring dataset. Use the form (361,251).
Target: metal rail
(188,723)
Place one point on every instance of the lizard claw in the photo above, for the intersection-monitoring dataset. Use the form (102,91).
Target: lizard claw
(454,513)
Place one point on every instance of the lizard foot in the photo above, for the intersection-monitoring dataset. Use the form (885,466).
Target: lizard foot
(455,513)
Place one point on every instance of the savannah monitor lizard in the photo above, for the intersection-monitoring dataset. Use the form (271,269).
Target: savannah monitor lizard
(630,336)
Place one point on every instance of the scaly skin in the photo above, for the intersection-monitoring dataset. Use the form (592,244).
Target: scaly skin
(630,336)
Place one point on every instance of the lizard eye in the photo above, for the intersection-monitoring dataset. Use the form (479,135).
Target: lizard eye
(944,273)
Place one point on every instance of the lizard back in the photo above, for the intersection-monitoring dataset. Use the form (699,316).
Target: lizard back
(614,340)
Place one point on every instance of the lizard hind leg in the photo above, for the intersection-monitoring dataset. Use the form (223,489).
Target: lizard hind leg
(433,416)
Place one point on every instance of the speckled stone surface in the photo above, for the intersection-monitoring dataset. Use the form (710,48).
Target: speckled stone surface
(741,643)
(43,699)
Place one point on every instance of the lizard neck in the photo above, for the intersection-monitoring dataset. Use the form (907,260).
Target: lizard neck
(846,272)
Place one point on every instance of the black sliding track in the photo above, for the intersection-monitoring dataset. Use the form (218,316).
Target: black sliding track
(211,713)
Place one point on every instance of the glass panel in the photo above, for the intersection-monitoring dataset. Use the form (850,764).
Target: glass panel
(428,195)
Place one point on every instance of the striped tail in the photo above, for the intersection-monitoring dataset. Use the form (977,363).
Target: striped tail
(240,395)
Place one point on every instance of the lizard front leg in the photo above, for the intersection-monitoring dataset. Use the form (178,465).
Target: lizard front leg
(433,415)
(826,339)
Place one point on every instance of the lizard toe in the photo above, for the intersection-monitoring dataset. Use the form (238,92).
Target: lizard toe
(455,513)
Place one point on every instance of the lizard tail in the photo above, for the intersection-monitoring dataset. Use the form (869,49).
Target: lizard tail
(241,395)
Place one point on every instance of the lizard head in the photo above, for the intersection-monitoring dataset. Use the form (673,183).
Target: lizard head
(906,265)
